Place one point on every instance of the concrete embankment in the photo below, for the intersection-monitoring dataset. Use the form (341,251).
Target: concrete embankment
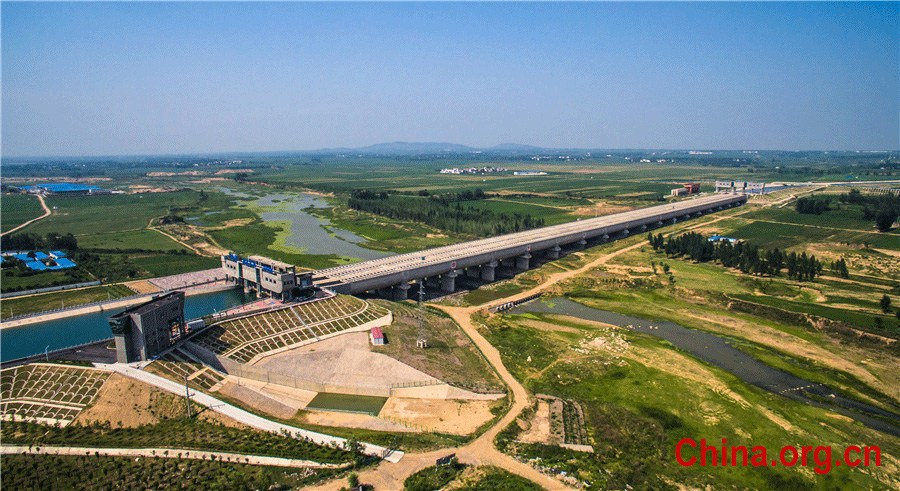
(108,305)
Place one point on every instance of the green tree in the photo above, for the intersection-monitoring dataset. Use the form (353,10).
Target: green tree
(885,303)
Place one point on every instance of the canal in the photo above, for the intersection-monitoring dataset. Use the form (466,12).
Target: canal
(18,342)
(717,351)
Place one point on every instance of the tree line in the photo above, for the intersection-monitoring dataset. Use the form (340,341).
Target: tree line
(883,209)
(441,212)
(746,257)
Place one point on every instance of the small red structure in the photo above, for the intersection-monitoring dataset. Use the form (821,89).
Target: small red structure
(692,187)
(376,336)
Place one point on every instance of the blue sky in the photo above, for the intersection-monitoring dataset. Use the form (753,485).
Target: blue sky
(151,78)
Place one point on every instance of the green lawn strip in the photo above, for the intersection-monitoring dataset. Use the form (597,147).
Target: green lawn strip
(88,472)
(63,299)
(44,279)
(18,209)
(177,432)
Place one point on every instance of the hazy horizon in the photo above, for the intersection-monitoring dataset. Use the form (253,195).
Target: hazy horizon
(147,79)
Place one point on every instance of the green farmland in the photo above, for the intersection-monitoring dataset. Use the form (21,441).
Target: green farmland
(18,209)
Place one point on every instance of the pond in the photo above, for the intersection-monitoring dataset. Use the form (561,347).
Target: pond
(347,403)
(308,233)
(718,351)
(18,342)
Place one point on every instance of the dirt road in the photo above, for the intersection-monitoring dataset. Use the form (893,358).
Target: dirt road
(480,451)
(29,222)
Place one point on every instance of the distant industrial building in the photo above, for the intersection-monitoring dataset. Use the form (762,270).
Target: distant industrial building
(67,188)
(740,187)
(148,329)
(267,277)
(689,188)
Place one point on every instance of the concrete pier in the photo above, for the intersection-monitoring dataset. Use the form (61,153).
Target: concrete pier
(448,281)
(523,261)
(512,248)
(553,252)
(488,271)
(401,291)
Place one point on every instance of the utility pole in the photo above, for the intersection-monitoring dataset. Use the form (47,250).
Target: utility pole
(187,397)
(421,291)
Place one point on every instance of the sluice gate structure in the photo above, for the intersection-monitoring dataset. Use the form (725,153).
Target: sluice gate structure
(440,266)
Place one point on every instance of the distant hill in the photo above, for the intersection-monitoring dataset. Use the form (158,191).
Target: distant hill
(431,148)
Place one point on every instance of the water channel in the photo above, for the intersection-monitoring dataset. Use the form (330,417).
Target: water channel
(718,351)
(31,339)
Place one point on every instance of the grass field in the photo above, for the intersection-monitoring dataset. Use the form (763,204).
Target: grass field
(144,239)
(84,215)
(63,299)
(451,356)
(18,209)
(633,421)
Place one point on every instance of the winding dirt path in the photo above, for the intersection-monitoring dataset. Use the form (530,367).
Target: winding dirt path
(29,222)
(481,451)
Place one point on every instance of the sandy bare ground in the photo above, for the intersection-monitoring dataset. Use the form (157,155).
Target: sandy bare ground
(130,403)
(142,286)
(255,399)
(343,360)
(457,417)
(353,420)
(29,222)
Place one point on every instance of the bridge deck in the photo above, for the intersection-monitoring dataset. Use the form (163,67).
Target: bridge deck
(415,265)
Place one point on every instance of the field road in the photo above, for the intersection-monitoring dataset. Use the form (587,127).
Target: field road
(171,453)
(29,222)
(241,415)
(481,451)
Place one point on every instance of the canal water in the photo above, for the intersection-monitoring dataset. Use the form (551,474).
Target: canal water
(18,342)
(718,351)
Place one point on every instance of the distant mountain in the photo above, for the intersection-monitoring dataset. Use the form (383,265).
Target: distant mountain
(410,148)
(432,148)
(515,147)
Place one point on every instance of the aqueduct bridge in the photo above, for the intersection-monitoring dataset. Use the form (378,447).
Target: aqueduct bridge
(480,258)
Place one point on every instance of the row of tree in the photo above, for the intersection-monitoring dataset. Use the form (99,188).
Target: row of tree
(744,256)
(32,242)
(443,214)
(813,205)
(883,209)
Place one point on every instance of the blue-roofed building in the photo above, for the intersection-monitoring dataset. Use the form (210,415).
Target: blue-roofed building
(42,261)
(265,276)
(64,188)
(63,263)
